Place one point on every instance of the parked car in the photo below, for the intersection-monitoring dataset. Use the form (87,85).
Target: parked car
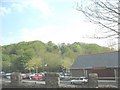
(62,76)
(8,75)
(43,75)
(29,76)
(67,74)
(79,80)
(37,77)
(24,76)
(2,74)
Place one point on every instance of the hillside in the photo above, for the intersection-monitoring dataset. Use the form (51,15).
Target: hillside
(36,56)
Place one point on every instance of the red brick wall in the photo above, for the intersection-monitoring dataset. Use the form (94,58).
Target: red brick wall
(104,73)
(77,72)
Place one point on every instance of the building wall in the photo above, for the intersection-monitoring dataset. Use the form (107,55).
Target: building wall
(77,72)
(103,73)
(106,73)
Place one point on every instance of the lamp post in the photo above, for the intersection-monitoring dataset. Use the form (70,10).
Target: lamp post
(9,67)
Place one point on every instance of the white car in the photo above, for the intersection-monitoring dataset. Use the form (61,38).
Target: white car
(30,76)
(79,80)
(8,75)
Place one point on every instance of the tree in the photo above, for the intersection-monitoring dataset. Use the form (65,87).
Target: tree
(36,56)
(33,64)
(67,62)
(75,47)
(105,13)
(6,66)
(52,61)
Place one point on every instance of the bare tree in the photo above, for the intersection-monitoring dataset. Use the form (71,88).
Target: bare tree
(105,13)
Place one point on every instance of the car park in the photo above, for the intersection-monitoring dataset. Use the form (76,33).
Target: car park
(79,80)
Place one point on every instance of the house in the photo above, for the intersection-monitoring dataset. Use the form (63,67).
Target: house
(104,64)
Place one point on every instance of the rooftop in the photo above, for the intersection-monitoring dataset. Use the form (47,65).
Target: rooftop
(109,59)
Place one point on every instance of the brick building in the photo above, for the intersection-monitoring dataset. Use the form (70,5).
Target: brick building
(104,64)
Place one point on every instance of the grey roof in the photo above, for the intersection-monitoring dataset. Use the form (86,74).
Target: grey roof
(109,59)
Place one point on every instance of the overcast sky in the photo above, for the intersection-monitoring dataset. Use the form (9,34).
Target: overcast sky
(45,20)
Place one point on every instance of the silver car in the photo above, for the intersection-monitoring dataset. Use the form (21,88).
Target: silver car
(79,80)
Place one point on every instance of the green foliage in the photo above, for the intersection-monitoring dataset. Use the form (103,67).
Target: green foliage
(66,63)
(33,63)
(6,66)
(52,60)
(37,56)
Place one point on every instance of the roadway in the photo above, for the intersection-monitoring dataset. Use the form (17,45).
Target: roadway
(100,82)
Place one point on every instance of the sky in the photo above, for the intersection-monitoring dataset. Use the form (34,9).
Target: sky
(45,20)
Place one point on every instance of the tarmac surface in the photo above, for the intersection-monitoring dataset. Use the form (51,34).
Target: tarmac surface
(6,83)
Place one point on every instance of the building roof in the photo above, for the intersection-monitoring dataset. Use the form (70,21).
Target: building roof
(109,59)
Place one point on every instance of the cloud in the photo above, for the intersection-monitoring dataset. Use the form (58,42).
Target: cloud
(41,6)
(71,33)
(9,5)
(61,33)
(20,5)
(4,11)
(45,33)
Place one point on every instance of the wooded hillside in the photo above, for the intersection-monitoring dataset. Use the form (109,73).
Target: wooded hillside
(36,56)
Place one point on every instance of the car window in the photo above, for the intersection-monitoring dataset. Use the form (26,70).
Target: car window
(76,78)
(81,78)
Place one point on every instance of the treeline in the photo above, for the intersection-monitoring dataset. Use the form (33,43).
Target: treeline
(36,56)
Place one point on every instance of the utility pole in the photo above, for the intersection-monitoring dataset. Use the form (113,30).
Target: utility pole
(119,17)
(43,63)
(36,69)
(118,43)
